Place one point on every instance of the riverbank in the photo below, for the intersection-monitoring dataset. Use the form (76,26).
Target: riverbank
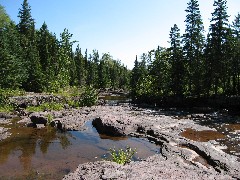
(182,154)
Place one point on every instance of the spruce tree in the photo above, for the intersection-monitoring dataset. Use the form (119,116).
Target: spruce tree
(66,66)
(193,44)
(236,56)
(26,20)
(135,74)
(80,67)
(12,68)
(27,30)
(44,45)
(177,63)
(159,70)
(215,54)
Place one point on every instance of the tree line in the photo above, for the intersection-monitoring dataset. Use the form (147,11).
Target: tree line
(36,60)
(193,65)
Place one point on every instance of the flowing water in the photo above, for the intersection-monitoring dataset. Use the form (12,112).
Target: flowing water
(48,154)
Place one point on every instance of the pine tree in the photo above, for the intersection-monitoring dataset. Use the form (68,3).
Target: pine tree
(66,66)
(176,60)
(159,70)
(215,54)
(26,20)
(102,72)
(26,28)
(193,41)
(135,75)
(80,67)
(95,63)
(45,44)
(12,69)
(4,18)
(236,56)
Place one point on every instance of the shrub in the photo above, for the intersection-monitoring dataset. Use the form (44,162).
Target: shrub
(122,156)
(89,97)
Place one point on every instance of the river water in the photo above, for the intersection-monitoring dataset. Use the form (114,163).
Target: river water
(227,126)
(48,154)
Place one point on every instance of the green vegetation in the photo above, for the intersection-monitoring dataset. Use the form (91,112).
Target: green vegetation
(49,118)
(46,107)
(122,156)
(37,61)
(194,66)
(89,97)
(6,108)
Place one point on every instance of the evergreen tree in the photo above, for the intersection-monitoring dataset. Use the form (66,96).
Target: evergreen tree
(159,69)
(26,28)
(124,78)
(135,75)
(45,44)
(176,60)
(102,72)
(236,56)
(12,68)
(193,41)
(4,18)
(26,20)
(215,54)
(80,67)
(66,65)
(94,66)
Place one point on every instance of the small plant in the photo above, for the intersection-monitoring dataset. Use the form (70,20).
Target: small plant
(49,118)
(122,156)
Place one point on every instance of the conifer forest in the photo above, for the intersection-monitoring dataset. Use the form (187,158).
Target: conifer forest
(201,62)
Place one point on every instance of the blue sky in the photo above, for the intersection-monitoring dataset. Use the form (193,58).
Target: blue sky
(124,28)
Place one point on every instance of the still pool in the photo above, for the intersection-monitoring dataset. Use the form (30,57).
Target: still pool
(48,154)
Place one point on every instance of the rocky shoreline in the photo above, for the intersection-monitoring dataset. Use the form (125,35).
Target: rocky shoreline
(179,158)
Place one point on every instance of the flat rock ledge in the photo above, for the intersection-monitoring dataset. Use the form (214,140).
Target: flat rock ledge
(179,158)
(155,167)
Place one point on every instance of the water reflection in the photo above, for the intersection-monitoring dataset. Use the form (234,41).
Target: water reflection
(51,154)
(24,141)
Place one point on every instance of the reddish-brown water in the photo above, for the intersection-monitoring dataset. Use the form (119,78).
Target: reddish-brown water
(202,136)
(47,154)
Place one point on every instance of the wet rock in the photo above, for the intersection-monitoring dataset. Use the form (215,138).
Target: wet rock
(33,125)
(39,120)
(105,128)
(52,124)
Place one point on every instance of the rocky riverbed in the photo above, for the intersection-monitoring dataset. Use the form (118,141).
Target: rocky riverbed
(181,156)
